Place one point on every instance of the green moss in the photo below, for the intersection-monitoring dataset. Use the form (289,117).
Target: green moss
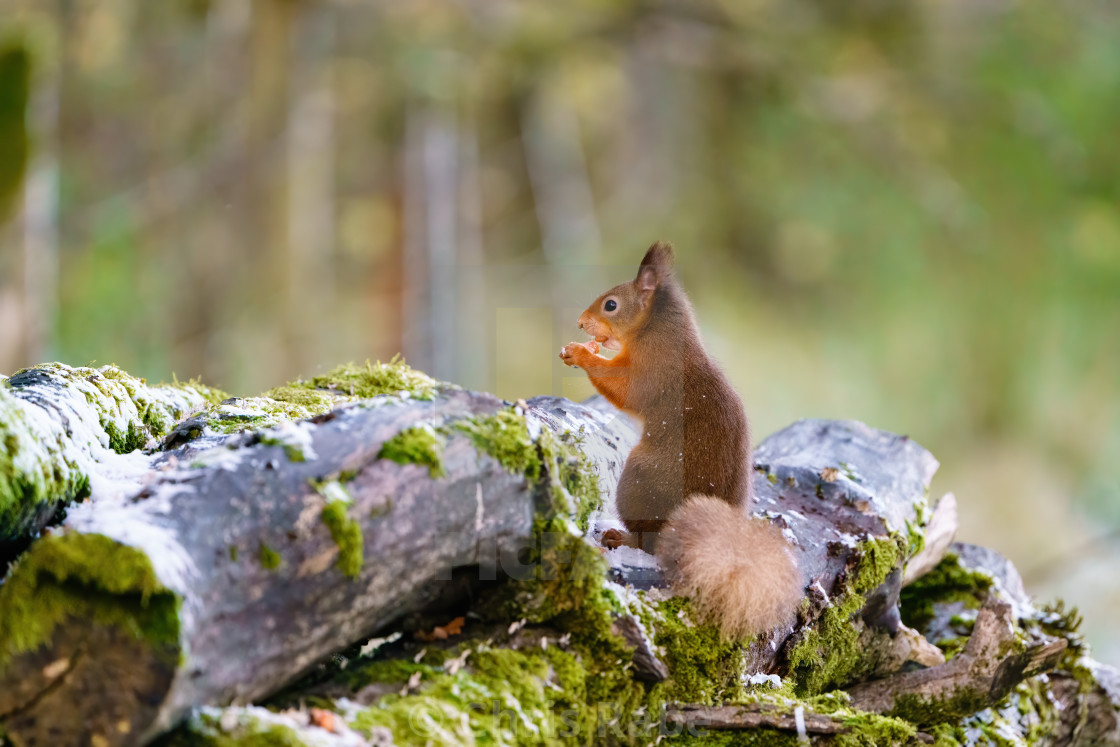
(125,441)
(532,696)
(873,730)
(227,415)
(258,413)
(947,735)
(501,697)
(505,436)
(233,553)
(952,646)
(828,654)
(574,477)
(345,531)
(1037,707)
(704,668)
(300,400)
(916,537)
(962,623)
(374,380)
(735,738)
(269,558)
(416,445)
(293,447)
(310,399)
(928,711)
(130,411)
(1054,619)
(86,577)
(211,394)
(949,581)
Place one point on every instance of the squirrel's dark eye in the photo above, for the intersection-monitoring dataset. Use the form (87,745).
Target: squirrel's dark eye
(610,305)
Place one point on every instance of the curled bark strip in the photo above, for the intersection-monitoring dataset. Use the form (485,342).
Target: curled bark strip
(992,663)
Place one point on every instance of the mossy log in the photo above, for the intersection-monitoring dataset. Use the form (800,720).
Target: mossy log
(67,433)
(243,557)
(234,569)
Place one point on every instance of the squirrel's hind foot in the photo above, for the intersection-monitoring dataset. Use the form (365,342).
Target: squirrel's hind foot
(614,538)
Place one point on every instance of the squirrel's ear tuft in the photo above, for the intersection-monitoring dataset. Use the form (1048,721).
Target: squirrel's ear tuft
(657,265)
(660,254)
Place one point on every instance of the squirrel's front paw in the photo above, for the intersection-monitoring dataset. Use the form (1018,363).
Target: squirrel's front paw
(574,352)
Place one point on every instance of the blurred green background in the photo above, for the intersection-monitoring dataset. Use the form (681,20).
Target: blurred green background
(902,213)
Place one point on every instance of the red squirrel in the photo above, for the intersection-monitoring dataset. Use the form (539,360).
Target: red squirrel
(685,490)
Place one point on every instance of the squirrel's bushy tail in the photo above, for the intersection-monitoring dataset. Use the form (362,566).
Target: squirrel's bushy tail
(739,571)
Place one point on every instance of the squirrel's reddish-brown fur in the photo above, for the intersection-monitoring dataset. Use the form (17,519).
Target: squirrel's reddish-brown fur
(684,492)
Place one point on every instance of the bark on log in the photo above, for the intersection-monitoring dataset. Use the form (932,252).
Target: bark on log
(748,717)
(755,716)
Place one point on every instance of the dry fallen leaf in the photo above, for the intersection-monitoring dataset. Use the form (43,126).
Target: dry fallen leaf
(323,719)
(56,668)
(443,632)
(830,474)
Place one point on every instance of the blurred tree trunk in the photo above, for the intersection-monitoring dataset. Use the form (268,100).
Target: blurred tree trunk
(473,363)
(41,229)
(309,288)
(431,217)
(266,221)
(214,217)
(558,176)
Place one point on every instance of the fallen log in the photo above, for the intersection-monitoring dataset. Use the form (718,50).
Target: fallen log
(227,575)
(234,569)
(845,542)
(243,559)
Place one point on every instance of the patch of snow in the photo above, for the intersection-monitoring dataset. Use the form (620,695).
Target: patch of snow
(297,436)
(772,680)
